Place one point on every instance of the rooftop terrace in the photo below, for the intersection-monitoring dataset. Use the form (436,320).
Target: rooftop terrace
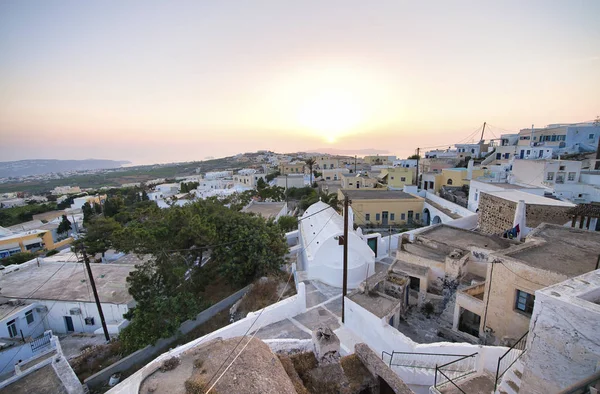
(67,282)
(465,239)
(563,250)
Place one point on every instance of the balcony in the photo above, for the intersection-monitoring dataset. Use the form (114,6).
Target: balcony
(471,298)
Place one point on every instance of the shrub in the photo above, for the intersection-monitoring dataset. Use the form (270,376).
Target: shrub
(51,252)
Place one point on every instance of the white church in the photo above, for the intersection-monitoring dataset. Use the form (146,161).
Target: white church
(321,252)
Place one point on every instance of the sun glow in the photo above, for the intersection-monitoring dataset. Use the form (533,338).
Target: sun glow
(331,114)
(330,102)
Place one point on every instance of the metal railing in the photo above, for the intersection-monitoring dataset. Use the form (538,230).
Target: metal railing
(510,357)
(41,342)
(454,370)
(421,360)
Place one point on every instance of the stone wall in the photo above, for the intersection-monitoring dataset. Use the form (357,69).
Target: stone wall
(496,215)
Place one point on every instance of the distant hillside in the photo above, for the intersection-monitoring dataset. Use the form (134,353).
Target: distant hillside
(41,166)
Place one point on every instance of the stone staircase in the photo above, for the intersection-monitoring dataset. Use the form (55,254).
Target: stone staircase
(511,380)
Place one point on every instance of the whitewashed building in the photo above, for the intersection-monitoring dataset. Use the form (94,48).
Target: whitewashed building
(63,301)
(322,253)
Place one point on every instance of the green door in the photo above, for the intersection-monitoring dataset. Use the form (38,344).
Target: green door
(372,242)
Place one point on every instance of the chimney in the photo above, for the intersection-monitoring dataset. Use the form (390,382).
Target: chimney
(470,169)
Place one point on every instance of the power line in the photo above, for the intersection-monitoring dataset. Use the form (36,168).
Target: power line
(519,276)
(472,134)
(41,320)
(258,317)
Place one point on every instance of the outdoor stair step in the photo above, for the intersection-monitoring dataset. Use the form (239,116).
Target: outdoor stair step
(518,373)
(513,386)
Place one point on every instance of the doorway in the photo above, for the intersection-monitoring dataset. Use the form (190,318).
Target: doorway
(69,324)
(522,154)
(372,242)
(384,218)
(410,217)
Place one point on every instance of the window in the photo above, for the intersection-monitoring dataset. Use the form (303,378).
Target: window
(29,317)
(528,151)
(367,217)
(572,176)
(377,217)
(403,179)
(550,176)
(524,302)
(12,328)
(476,196)
(498,156)
(561,168)
(553,138)
(402,216)
(449,182)
(392,216)
(392,177)
(417,216)
(89,321)
(472,150)
(591,136)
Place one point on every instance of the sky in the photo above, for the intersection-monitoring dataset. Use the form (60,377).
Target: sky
(167,81)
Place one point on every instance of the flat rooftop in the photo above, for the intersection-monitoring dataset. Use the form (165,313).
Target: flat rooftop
(377,303)
(566,250)
(375,194)
(507,186)
(533,199)
(42,381)
(465,239)
(68,282)
(265,209)
(6,309)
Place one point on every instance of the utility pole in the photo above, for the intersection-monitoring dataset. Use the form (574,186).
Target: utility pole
(355,164)
(89,271)
(418,157)
(597,163)
(345,283)
(482,131)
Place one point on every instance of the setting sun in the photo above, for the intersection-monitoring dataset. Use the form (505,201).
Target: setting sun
(331,114)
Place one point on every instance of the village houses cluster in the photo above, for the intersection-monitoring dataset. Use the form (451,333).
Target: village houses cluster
(470,269)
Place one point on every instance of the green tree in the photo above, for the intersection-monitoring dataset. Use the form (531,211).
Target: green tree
(88,212)
(168,289)
(97,208)
(414,157)
(112,206)
(261,184)
(272,176)
(99,235)
(288,223)
(310,162)
(145,196)
(64,225)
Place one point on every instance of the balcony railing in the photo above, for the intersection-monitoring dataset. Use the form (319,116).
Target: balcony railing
(454,370)
(510,357)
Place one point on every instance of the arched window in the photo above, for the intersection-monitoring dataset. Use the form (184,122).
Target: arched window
(449,182)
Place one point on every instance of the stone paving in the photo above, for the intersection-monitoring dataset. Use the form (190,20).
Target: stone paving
(324,309)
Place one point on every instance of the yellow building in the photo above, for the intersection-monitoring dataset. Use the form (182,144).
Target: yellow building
(456,177)
(397,177)
(354,181)
(379,160)
(29,241)
(292,168)
(331,162)
(383,207)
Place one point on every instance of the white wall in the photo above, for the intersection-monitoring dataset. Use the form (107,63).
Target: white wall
(35,329)
(380,336)
(54,318)
(284,309)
